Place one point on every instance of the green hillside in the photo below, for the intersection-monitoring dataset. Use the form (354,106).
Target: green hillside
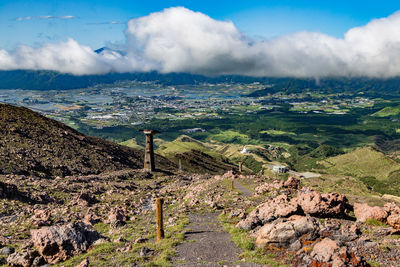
(362,162)
(131,143)
(387,112)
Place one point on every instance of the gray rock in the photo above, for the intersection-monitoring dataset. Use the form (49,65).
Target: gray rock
(7,251)
(39,261)
(24,258)
(295,246)
(282,233)
(145,251)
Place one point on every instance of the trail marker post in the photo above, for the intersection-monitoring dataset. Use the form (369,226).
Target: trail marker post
(160,223)
(149,164)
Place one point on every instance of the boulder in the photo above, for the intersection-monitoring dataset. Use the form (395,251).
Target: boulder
(269,211)
(291,183)
(116,216)
(41,217)
(393,218)
(58,243)
(91,218)
(6,251)
(325,250)
(328,253)
(363,212)
(282,233)
(268,187)
(322,205)
(24,258)
(85,199)
(230,174)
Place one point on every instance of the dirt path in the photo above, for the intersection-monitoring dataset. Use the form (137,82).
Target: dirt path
(207,244)
(246,192)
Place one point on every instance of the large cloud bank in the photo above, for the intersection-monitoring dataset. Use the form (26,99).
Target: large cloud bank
(180,40)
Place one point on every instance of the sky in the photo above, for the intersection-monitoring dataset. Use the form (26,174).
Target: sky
(299,38)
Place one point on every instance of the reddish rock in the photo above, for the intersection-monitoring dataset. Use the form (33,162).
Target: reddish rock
(281,233)
(393,218)
(24,258)
(355,229)
(269,211)
(291,183)
(58,243)
(328,253)
(363,212)
(230,174)
(325,250)
(85,199)
(42,197)
(268,187)
(84,263)
(41,217)
(323,205)
(91,218)
(116,216)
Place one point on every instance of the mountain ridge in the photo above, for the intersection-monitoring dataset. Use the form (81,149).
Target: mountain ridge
(32,144)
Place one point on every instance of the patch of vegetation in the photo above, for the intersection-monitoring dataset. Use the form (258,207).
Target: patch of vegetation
(388,111)
(305,157)
(390,186)
(251,163)
(374,222)
(277,132)
(233,137)
(362,162)
(106,254)
(241,238)
(132,143)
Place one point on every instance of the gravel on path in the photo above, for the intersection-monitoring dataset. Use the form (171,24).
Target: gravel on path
(207,244)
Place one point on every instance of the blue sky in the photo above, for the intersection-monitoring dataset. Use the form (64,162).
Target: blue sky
(91,22)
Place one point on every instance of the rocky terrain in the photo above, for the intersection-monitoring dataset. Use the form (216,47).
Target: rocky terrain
(109,220)
(67,199)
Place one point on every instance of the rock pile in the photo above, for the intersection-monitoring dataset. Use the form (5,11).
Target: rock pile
(311,224)
(58,243)
(291,183)
(389,214)
(307,201)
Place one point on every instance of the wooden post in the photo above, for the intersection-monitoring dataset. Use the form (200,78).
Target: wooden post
(180,165)
(233,185)
(160,225)
(240,167)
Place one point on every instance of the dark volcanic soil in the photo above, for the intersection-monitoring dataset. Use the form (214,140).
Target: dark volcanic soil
(32,144)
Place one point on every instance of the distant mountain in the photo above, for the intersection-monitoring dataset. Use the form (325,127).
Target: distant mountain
(333,85)
(33,144)
(109,50)
(51,80)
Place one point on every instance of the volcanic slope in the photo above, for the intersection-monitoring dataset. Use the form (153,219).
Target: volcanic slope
(32,144)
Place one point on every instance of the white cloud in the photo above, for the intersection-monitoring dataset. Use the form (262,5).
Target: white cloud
(180,40)
(46,17)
